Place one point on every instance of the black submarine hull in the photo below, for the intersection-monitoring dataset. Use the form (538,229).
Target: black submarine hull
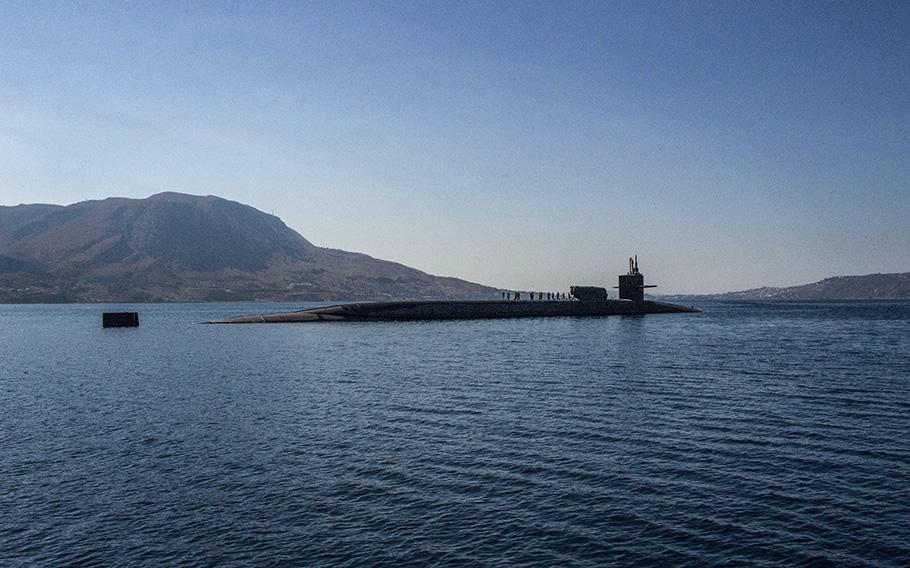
(452,310)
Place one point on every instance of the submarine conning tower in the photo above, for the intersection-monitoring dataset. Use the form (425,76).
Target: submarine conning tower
(632,284)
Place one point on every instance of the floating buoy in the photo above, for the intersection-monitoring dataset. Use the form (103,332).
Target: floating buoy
(120,319)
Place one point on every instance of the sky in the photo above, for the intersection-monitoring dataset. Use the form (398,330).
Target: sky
(523,145)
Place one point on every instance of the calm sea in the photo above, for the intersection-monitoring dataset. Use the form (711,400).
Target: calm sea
(749,434)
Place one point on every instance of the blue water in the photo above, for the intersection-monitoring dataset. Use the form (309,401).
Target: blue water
(749,434)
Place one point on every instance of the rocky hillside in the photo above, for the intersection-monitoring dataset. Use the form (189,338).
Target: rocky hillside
(869,287)
(175,247)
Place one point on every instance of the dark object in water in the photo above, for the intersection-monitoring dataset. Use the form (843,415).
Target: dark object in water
(477,309)
(587,301)
(120,319)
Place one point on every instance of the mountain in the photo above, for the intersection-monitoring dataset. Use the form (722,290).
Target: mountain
(173,247)
(894,286)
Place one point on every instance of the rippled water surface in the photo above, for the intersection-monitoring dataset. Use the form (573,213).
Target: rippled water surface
(750,433)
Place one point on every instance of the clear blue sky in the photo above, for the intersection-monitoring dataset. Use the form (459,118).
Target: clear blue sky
(522,145)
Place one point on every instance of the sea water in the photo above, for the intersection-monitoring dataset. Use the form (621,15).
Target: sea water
(748,434)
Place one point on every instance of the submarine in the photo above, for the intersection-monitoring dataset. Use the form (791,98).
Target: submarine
(581,301)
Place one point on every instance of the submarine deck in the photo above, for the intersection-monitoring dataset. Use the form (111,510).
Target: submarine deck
(466,309)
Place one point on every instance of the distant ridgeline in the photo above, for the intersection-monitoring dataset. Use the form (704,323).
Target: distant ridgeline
(894,286)
(173,247)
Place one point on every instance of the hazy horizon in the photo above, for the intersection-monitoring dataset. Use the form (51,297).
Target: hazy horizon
(523,146)
(443,275)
